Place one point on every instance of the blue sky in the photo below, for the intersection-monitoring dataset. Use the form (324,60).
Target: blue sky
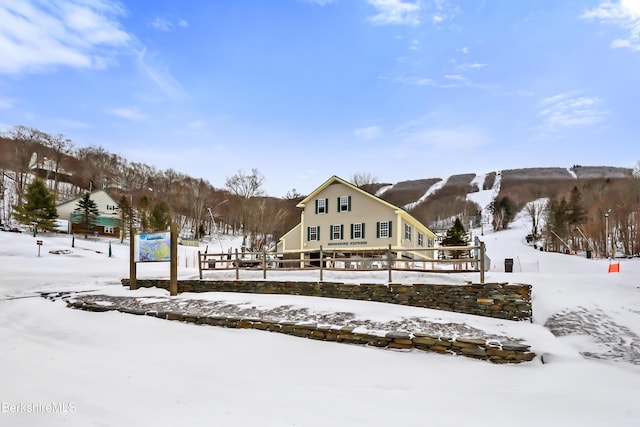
(306,89)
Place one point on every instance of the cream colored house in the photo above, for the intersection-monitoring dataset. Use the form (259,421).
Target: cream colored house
(343,219)
(107,222)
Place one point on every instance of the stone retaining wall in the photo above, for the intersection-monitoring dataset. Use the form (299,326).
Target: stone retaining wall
(475,348)
(498,300)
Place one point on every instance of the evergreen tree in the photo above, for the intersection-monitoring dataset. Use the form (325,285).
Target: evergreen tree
(556,223)
(143,208)
(456,236)
(39,208)
(576,213)
(88,211)
(126,216)
(160,217)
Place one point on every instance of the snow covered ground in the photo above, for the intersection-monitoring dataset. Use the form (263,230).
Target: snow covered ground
(61,366)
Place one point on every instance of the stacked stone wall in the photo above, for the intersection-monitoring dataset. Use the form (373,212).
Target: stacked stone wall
(498,300)
(475,348)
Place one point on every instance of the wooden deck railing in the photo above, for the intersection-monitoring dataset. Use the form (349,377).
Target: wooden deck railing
(471,259)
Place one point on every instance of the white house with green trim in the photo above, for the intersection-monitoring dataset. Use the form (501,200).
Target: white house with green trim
(107,222)
(346,220)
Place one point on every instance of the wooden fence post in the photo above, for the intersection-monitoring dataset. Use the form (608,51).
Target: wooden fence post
(200,264)
(482,255)
(321,263)
(264,263)
(237,266)
(173,250)
(133,285)
(389,260)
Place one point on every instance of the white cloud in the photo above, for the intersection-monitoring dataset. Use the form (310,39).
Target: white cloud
(161,76)
(567,110)
(5,103)
(130,113)
(164,24)
(523,92)
(624,14)
(318,2)
(39,36)
(196,125)
(456,81)
(395,12)
(74,124)
(442,138)
(368,133)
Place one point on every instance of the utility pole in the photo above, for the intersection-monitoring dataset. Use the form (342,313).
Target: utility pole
(606,233)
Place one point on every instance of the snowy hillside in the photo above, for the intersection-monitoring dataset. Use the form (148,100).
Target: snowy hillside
(117,369)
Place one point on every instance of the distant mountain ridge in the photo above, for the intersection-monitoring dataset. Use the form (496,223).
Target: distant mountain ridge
(433,200)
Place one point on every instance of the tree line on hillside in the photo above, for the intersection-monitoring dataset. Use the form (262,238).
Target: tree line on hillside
(599,216)
(145,195)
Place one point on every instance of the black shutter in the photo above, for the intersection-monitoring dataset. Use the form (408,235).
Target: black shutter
(363,230)
(316,206)
(308,233)
(351,231)
(378,230)
(390,228)
(349,203)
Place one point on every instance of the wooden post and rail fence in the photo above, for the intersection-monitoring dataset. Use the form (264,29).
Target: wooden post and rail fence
(469,259)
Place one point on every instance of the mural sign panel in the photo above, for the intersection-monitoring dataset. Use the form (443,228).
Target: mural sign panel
(153,247)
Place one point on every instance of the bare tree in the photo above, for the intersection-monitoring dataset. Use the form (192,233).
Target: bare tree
(536,211)
(363,179)
(245,187)
(60,146)
(293,194)
(198,196)
(26,141)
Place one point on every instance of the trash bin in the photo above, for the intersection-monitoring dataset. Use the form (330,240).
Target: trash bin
(588,254)
(508,265)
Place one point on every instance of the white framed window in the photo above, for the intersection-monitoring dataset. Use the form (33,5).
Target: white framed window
(407,232)
(357,230)
(321,206)
(337,232)
(383,229)
(344,203)
(420,239)
(313,233)
(109,230)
